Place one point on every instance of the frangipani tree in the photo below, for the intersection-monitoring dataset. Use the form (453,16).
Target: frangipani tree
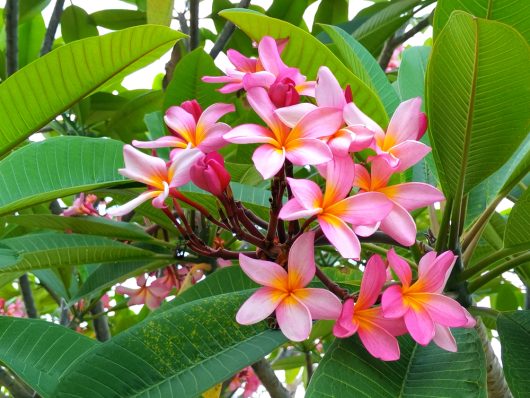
(308,209)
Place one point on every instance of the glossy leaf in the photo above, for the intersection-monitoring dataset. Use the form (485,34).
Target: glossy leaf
(330,12)
(119,19)
(308,54)
(480,66)
(518,227)
(348,370)
(25,101)
(159,12)
(30,37)
(76,24)
(57,167)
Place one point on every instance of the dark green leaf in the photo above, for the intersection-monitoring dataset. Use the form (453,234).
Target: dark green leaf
(330,12)
(30,37)
(119,19)
(76,24)
(518,227)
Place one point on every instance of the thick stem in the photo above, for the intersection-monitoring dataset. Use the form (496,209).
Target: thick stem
(514,262)
(194,24)
(269,380)
(331,286)
(308,365)
(27,296)
(52,27)
(441,239)
(226,33)
(11,21)
(101,323)
(478,226)
(485,263)
(277,188)
(16,389)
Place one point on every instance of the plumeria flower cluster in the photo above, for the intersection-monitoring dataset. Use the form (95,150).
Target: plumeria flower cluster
(14,308)
(306,124)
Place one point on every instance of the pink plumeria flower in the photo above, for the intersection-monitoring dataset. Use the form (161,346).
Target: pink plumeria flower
(153,172)
(376,333)
(16,309)
(399,146)
(209,173)
(82,205)
(328,93)
(168,280)
(285,292)
(247,377)
(427,313)
(406,197)
(151,296)
(334,209)
(395,59)
(192,128)
(299,144)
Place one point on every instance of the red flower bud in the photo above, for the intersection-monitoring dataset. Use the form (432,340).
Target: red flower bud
(193,108)
(283,93)
(209,173)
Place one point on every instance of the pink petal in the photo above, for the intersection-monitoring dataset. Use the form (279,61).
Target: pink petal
(218,79)
(321,303)
(442,309)
(162,142)
(307,151)
(133,204)
(362,178)
(400,225)
(269,56)
(342,330)
(318,123)
(408,122)
(381,172)
(259,306)
(259,100)
(126,290)
(409,153)
(268,160)
(366,230)
(291,115)
(213,113)
(294,319)
(362,138)
(340,143)
(346,324)
(213,138)
(373,280)
(264,272)
(328,91)
(231,87)
(152,301)
(301,263)
(340,236)
(306,192)
(444,339)
(433,275)
(355,117)
(420,326)
(392,302)
(400,267)
(339,179)
(379,343)
(179,171)
(143,168)
(182,122)
(249,134)
(293,210)
(365,208)
(161,198)
(413,195)
(241,62)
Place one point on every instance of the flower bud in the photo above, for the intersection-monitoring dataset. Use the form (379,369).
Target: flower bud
(209,173)
(283,93)
(193,108)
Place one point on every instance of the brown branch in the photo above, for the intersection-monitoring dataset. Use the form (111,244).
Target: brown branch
(52,27)
(27,296)
(268,378)
(194,24)
(226,33)
(331,286)
(101,323)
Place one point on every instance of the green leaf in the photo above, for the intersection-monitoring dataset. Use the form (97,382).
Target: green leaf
(81,225)
(119,19)
(76,24)
(330,12)
(364,66)
(25,100)
(53,250)
(159,12)
(348,370)
(307,53)
(30,37)
(49,348)
(518,227)
(477,131)
(57,167)
(291,11)
(514,333)
(177,353)
(187,84)
(509,12)
(30,8)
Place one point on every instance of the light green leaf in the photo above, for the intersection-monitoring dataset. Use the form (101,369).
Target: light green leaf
(307,53)
(518,226)
(49,348)
(514,333)
(57,167)
(76,24)
(177,353)
(291,11)
(159,12)
(481,66)
(348,370)
(364,66)
(25,101)
(52,250)
(30,37)
(30,8)
(330,12)
(513,13)
(119,19)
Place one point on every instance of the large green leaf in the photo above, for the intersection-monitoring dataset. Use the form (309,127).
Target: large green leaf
(363,65)
(348,370)
(481,66)
(514,13)
(71,72)
(40,352)
(307,53)
(514,333)
(57,167)
(177,353)
(46,250)
(518,227)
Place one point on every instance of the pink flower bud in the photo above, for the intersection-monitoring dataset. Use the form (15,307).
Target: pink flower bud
(193,108)
(283,93)
(209,173)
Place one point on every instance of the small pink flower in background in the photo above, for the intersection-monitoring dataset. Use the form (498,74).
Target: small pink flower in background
(299,144)
(399,146)
(105,300)
(153,172)
(151,296)
(209,173)
(249,379)
(285,292)
(222,263)
(395,59)
(406,197)
(334,209)
(192,128)
(169,280)
(427,313)
(376,333)
(15,309)
(82,205)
